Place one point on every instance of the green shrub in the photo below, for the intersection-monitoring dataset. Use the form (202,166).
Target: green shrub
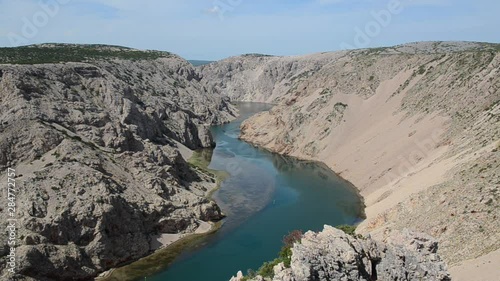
(284,256)
(267,269)
(348,229)
(421,70)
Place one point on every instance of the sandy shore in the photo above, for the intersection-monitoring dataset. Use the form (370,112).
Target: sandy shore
(164,240)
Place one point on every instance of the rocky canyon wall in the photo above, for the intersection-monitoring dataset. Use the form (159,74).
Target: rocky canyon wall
(415,127)
(95,144)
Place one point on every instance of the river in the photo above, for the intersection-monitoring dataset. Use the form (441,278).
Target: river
(265,197)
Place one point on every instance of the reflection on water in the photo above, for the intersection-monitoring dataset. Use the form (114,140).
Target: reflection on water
(243,195)
(265,197)
(250,186)
(206,154)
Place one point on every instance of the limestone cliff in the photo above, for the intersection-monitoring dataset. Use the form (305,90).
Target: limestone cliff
(94,134)
(415,127)
(333,255)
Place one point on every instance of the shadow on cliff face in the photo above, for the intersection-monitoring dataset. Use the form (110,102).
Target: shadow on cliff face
(98,169)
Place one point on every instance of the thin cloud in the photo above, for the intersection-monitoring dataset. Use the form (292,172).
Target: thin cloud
(329,2)
(427,2)
(213,10)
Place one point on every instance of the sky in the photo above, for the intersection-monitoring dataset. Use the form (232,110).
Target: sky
(215,29)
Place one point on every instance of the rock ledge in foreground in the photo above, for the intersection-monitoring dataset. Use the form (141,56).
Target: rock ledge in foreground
(334,255)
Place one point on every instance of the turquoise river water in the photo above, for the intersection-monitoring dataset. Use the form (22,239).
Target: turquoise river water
(266,197)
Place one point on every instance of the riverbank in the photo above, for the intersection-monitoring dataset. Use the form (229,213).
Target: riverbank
(264,190)
(200,160)
(397,193)
(318,163)
(159,260)
(168,246)
(387,125)
(266,197)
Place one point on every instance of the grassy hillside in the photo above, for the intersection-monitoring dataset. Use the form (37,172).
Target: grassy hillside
(58,53)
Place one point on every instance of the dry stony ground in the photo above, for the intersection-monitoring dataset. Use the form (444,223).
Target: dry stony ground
(415,127)
(96,149)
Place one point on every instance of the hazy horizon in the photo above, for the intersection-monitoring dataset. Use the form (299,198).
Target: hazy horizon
(213,30)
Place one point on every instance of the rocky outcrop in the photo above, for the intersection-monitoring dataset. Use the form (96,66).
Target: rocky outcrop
(95,145)
(333,255)
(415,127)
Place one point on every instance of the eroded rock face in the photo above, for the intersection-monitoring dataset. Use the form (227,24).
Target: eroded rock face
(414,127)
(98,167)
(333,255)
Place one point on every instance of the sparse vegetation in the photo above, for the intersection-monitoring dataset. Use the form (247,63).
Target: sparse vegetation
(325,92)
(160,259)
(302,75)
(340,105)
(378,50)
(284,256)
(348,229)
(58,53)
(421,70)
(256,55)
(200,160)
